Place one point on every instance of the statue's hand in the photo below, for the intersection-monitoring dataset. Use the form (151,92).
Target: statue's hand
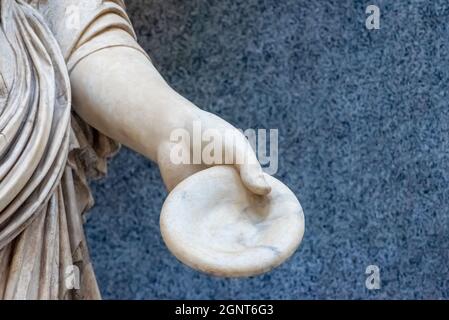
(208,140)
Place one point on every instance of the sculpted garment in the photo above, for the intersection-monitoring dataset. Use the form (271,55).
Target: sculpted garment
(47,153)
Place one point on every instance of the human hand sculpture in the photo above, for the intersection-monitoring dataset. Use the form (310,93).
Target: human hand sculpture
(232,149)
(239,228)
(126,98)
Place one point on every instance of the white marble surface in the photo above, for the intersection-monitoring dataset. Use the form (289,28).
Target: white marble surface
(212,223)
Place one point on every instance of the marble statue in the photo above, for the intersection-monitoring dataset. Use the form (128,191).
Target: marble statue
(74,85)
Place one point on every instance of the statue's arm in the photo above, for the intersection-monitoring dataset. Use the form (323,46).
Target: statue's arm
(118,91)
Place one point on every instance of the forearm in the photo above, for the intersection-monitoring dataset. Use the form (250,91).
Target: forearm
(119,92)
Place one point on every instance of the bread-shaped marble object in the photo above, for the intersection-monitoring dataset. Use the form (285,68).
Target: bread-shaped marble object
(213,223)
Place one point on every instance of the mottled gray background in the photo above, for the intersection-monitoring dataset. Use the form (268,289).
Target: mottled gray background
(364,124)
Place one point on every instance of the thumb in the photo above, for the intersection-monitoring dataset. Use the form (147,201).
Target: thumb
(250,170)
(253,178)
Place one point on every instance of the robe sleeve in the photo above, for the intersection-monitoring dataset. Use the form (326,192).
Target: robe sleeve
(77,23)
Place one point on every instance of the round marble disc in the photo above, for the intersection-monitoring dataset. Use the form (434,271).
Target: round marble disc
(213,223)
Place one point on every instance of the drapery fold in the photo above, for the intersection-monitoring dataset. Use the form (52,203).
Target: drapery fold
(35,122)
(35,126)
(48,153)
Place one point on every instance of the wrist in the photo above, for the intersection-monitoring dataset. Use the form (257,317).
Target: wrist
(177,127)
